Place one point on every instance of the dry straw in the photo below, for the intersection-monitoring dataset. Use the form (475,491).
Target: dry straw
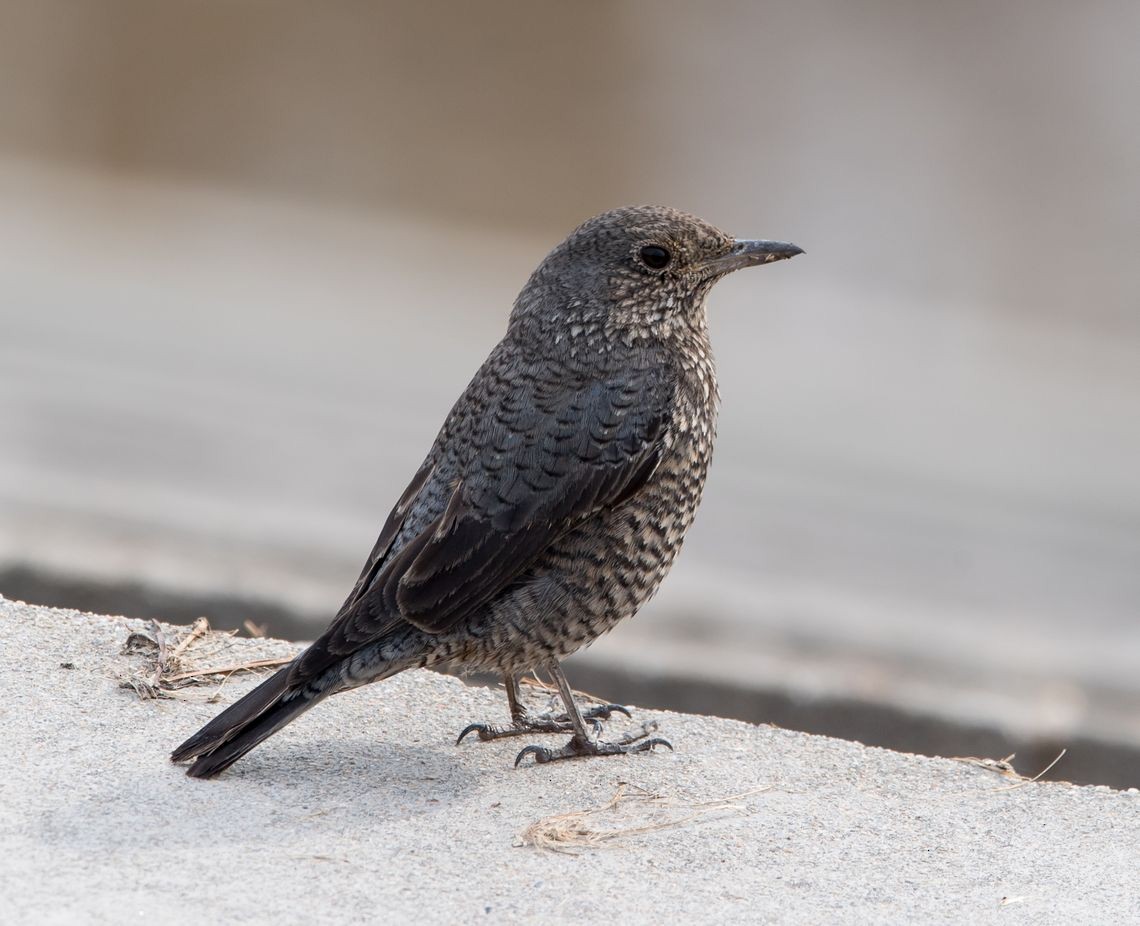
(632,811)
(191,658)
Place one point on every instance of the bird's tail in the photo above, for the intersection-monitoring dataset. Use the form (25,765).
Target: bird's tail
(244,724)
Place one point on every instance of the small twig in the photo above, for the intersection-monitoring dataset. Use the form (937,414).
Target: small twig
(199,628)
(1003,767)
(160,661)
(226,670)
(647,728)
(1040,774)
(568,832)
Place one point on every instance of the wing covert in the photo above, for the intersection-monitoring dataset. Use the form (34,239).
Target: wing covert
(543,456)
(550,464)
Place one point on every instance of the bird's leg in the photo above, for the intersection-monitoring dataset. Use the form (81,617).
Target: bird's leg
(514,698)
(594,714)
(582,743)
(524,722)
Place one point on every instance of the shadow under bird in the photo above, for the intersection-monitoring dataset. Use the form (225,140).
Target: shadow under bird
(554,499)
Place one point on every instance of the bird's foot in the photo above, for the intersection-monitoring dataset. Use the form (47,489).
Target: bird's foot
(603,712)
(542,723)
(578,747)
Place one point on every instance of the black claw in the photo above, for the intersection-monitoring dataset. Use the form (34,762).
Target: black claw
(490,731)
(484,730)
(541,754)
(549,723)
(578,748)
(605,711)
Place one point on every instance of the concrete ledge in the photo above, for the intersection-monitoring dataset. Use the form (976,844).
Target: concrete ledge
(364,811)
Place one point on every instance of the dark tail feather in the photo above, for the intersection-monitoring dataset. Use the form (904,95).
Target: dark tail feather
(241,726)
(222,757)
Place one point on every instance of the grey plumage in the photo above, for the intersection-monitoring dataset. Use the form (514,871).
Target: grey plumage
(557,493)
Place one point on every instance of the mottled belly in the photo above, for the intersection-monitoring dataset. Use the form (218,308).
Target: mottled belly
(591,579)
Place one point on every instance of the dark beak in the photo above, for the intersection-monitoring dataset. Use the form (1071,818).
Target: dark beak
(753,253)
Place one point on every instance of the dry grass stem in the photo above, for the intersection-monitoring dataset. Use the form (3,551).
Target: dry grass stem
(1039,775)
(645,811)
(189,660)
(1005,768)
(226,670)
(198,629)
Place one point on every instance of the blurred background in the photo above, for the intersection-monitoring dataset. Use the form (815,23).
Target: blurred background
(250,253)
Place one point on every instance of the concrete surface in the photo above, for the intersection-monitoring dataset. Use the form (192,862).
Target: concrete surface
(365,811)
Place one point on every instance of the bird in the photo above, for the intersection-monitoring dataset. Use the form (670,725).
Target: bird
(554,499)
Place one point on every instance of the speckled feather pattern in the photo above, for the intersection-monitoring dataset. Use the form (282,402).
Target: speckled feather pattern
(558,492)
(597,573)
(580,378)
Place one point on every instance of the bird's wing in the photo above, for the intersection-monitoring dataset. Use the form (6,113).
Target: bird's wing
(388,535)
(545,469)
(547,457)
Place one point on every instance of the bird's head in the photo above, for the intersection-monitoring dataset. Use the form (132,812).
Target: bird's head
(637,268)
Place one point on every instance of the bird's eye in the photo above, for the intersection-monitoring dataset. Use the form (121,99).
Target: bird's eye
(655,257)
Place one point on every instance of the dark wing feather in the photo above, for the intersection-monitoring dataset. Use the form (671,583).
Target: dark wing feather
(356,624)
(544,456)
(388,535)
(565,463)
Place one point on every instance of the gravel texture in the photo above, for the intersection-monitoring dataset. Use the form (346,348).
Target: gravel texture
(364,810)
